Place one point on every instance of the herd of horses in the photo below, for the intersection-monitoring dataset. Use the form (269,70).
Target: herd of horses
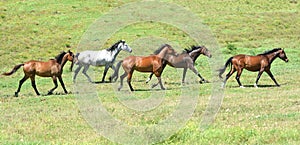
(154,64)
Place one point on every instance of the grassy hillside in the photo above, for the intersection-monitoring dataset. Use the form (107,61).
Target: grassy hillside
(41,29)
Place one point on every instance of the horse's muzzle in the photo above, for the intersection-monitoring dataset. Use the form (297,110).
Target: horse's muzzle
(286,60)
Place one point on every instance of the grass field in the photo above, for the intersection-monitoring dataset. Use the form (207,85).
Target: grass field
(41,29)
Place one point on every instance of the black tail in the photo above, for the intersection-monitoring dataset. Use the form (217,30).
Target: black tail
(116,73)
(13,70)
(222,70)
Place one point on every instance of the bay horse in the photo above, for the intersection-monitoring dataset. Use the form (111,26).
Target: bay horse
(186,60)
(152,63)
(261,62)
(52,68)
(104,57)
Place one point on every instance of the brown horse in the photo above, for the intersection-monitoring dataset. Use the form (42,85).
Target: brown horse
(152,63)
(186,60)
(52,68)
(260,63)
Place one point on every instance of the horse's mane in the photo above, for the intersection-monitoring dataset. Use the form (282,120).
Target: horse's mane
(113,47)
(271,51)
(60,56)
(161,48)
(192,48)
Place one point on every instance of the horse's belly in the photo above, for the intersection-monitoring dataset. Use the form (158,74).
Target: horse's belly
(253,68)
(144,69)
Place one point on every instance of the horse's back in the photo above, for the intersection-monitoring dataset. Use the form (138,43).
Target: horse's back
(41,68)
(249,62)
(96,58)
(141,63)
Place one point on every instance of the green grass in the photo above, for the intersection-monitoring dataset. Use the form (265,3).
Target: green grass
(41,29)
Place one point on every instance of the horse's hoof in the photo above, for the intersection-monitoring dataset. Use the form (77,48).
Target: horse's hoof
(50,93)
(255,85)
(163,88)
(147,81)
(154,85)
(16,94)
(278,85)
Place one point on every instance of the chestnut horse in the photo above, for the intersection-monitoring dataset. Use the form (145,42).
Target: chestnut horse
(152,63)
(260,63)
(52,68)
(186,60)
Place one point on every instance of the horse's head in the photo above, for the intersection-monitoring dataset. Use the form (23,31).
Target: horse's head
(122,45)
(70,57)
(282,55)
(171,51)
(204,51)
(195,51)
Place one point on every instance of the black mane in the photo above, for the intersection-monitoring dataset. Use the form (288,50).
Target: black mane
(161,48)
(271,51)
(60,56)
(113,47)
(192,48)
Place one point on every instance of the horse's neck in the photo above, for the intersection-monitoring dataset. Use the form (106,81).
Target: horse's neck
(63,61)
(115,53)
(162,54)
(194,55)
(272,56)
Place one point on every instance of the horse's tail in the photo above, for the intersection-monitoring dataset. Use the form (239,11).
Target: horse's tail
(222,70)
(116,73)
(13,70)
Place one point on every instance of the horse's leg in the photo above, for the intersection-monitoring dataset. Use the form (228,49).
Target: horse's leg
(258,77)
(149,78)
(191,67)
(50,92)
(238,75)
(114,74)
(158,74)
(62,84)
(105,72)
(33,85)
(160,83)
(228,76)
(183,75)
(121,80)
(272,77)
(86,67)
(20,84)
(129,76)
(76,72)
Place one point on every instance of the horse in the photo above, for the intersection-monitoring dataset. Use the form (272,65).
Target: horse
(186,60)
(104,57)
(261,63)
(52,68)
(152,63)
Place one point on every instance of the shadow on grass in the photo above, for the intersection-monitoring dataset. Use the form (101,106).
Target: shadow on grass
(259,86)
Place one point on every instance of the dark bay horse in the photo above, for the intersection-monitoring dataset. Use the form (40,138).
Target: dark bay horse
(186,60)
(261,62)
(52,68)
(152,63)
